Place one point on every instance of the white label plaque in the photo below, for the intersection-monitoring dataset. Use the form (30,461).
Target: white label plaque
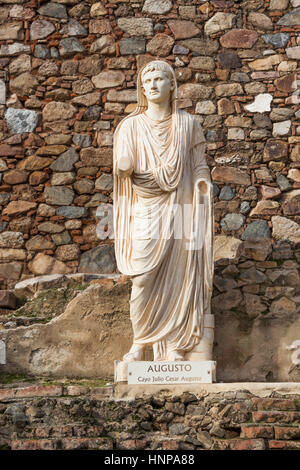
(170,373)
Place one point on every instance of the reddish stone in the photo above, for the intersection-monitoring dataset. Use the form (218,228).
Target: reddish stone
(27,444)
(76,390)
(230,175)
(7,393)
(229,60)
(133,444)
(43,264)
(18,207)
(4,62)
(257,251)
(265,75)
(14,139)
(35,163)
(80,430)
(225,106)
(222,74)
(274,404)
(49,150)
(295,154)
(56,110)
(38,177)
(8,151)
(54,431)
(183,29)
(160,45)
(287,432)
(11,271)
(269,192)
(60,431)
(291,202)
(15,177)
(275,150)
(253,432)
(239,39)
(33,141)
(222,3)
(170,445)
(275,416)
(7,299)
(39,391)
(98,443)
(284,445)
(103,282)
(99,27)
(23,224)
(287,84)
(247,444)
(100,157)
(194,91)
(38,243)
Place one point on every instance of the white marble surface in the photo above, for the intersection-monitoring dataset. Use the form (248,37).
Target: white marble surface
(2,352)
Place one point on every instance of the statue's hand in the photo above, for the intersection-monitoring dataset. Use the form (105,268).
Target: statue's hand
(202,187)
(125,167)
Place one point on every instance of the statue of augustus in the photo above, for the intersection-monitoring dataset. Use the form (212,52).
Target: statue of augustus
(163,222)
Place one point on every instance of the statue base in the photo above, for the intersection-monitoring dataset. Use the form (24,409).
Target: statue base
(165,372)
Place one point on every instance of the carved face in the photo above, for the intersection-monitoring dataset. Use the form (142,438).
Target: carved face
(157,86)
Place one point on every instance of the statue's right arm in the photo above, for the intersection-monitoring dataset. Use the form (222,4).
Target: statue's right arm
(124,149)
(125,167)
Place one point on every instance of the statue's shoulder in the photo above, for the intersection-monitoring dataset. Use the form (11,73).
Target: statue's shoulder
(193,127)
(189,118)
(127,123)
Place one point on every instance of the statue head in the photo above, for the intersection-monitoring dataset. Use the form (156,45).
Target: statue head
(156,81)
(142,102)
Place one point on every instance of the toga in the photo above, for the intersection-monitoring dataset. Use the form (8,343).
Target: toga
(164,229)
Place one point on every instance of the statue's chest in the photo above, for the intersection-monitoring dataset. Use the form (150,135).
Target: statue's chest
(157,146)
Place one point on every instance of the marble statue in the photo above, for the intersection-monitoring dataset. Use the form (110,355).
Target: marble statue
(163,222)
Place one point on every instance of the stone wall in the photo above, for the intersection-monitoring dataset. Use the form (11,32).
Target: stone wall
(56,417)
(67,76)
(69,324)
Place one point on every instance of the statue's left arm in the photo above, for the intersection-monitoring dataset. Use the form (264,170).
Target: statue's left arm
(201,172)
(204,220)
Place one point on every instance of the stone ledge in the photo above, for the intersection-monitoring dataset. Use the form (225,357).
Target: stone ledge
(71,443)
(8,393)
(260,389)
(127,392)
(33,391)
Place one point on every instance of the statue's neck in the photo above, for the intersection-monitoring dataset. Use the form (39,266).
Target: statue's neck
(158,111)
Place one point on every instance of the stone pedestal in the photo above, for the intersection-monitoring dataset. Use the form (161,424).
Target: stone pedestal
(165,373)
(121,371)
